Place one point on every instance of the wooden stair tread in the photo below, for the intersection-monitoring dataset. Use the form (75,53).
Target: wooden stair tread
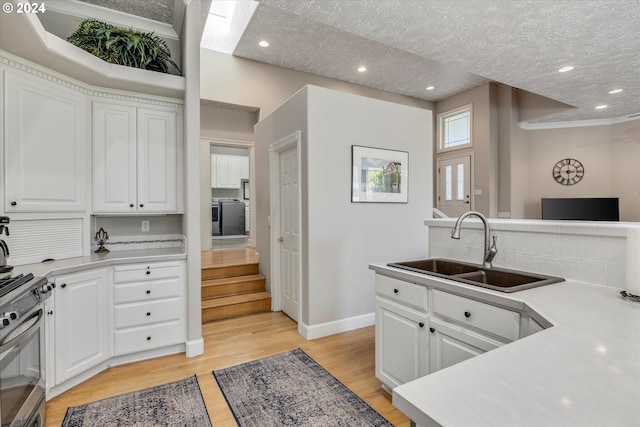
(235,299)
(232,279)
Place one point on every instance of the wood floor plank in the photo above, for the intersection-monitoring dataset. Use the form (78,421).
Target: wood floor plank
(348,356)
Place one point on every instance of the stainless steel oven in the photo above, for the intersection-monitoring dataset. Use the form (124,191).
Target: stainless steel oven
(22,351)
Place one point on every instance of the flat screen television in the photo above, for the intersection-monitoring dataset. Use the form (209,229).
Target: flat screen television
(582,209)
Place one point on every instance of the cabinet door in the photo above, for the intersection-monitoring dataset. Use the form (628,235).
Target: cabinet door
(401,344)
(244,167)
(45,153)
(221,171)
(114,158)
(157,160)
(82,328)
(449,345)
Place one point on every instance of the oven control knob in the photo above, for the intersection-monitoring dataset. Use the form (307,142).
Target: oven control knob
(47,287)
(7,318)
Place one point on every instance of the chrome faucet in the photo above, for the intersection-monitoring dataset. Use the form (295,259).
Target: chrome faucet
(489,251)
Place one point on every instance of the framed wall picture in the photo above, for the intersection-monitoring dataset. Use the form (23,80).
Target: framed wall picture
(379,175)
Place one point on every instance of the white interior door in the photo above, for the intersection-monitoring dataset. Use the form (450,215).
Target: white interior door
(289,232)
(454,185)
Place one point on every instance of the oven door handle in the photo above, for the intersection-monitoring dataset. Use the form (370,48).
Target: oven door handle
(10,342)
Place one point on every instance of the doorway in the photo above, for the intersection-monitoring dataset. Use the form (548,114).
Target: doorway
(286,246)
(454,185)
(229,194)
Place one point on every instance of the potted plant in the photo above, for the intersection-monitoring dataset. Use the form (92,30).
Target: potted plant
(123,46)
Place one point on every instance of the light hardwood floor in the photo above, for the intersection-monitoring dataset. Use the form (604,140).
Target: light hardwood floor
(348,356)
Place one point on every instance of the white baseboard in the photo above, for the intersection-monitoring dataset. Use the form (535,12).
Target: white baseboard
(195,347)
(311,332)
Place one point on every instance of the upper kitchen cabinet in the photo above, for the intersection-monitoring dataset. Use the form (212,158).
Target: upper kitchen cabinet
(45,142)
(137,154)
(227,171)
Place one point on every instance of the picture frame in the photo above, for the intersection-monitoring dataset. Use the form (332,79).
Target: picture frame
(379,175)
(245,189)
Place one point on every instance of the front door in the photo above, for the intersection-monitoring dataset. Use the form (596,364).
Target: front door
(454,185)
(289,232)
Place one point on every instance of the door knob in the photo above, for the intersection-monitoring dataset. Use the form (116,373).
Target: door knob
(280,239)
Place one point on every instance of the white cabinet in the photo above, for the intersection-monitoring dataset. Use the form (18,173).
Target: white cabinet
(45,140)
(401,331)
(450,344)
(150,306)
(81,322)
(228,171)
(136,159)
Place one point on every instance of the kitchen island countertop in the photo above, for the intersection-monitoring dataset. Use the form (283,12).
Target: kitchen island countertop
(582,371)
(72,265)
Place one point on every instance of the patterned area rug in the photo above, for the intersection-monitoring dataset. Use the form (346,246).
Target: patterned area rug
(291,389)
(175,404)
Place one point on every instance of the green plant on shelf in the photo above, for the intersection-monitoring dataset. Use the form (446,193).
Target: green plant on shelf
(123,46)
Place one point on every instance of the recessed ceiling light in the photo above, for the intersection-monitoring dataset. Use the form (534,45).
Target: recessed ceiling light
(565,69)
(615,91)
(600,107)
(430,87)
(362,69)
(263,43)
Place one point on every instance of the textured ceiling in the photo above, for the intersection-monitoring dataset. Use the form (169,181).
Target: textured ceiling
(156,10)
(455,45)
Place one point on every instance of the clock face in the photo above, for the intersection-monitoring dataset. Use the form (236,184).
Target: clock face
(568,171)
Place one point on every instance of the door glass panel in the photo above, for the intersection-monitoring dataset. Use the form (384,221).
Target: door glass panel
(448,184)
(460,177)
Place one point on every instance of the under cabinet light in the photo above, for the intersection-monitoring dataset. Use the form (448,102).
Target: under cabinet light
(362,69)
(430,87)
(565,69)
(615,91)
(263,43)
(600,107)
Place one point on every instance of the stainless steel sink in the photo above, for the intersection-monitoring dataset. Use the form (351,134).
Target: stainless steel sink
(499,279)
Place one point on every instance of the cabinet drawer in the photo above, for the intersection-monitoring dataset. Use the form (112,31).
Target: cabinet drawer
(142,291)
(146,313)
(498,321)
(404,292)
(148,338)
(139,272)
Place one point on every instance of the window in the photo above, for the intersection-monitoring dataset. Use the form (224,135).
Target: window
(454,129)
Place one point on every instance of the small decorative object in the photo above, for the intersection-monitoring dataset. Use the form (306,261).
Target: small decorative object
(102,237)
(379,175)
(123,46)
(568,171)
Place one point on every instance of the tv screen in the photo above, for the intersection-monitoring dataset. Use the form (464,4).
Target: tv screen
(582,209)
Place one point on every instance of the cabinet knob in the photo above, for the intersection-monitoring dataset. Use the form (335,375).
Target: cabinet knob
(50,312)
(14,203)
(421,324)
(142,205)
(131,205)
(148,291)
(148,272)
(467,314)
(64,285)
(148,313)
(148,338)
(432,330)
(395,291)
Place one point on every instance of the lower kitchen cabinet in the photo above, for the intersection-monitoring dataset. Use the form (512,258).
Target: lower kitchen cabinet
(150,306)
(80,322)
(450,344)
(401,344)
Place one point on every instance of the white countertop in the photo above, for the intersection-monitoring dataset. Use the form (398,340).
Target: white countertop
(583,371)
(72,265)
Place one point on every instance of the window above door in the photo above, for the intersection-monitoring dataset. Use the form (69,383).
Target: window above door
(454,129)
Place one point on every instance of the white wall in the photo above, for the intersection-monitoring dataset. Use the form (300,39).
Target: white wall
(340,238)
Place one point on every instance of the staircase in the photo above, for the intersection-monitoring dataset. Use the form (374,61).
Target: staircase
(232,285)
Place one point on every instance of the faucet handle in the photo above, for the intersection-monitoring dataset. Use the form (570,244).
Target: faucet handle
(495,238)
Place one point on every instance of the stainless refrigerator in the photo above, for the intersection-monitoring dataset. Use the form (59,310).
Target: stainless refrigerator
(232,217)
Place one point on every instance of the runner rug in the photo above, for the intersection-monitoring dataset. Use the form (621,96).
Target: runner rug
(291,389)
(175,404)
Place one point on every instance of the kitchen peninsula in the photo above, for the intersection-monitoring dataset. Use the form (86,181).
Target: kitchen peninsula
(582,369)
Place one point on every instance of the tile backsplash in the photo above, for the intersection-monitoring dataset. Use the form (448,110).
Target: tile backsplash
(586,252)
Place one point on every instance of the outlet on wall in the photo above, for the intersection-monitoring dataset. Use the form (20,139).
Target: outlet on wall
(145,225)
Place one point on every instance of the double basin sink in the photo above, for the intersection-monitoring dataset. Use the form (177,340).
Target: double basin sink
(498,279)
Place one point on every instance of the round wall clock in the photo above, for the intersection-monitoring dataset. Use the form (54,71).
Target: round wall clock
(568,171)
